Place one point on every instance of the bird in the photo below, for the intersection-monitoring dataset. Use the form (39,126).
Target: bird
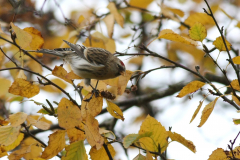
(89,62)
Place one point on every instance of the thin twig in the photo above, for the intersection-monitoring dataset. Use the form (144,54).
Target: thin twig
(48,81)
(225,44)
(9,57)
(108,152)
(151,53)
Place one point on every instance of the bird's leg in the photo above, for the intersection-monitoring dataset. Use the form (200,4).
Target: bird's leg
(95,92)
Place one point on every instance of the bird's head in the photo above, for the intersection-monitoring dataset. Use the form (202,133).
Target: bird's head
(121,67)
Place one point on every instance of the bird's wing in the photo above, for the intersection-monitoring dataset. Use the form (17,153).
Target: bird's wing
(78,49)
(95,56)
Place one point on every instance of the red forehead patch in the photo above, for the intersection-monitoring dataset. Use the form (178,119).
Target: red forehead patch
(122,63)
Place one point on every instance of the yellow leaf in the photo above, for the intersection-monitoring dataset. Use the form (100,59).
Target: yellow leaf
(190,87)
(94,107)
(34,146)
(23,88)
(4,85)
(56,144)
(132,138)
(171,13)
(218,43)
(140,3)
(92,132)
(39,122)
(120,82)
(18,154)
(196,111)
(218,154)
(235,84)
(24,38)
(230,17)
(170,35)
(3,122)
(235,99)
(202,18)
(177,137)
(136,60)
(100,41)
(207,111)
(238,25)
(95,42)
(101,154)
(17,118)
(139,157)
(236,60)
(14,144)
(109,21)
(2,57)
(37,39)
(236,152)
(76,151)
(8,134)
(176,11)
(35,66)
(80,19)
(60,72)
(106,133)
(117,16)
(126,35)
(101,85)
(13,72)
(159,135)
(149,156)
(72,75)
(69,114)
(2,153)
(50,88)
(114,110)
(236,121)
(198,32)
(21,75)
(76,134)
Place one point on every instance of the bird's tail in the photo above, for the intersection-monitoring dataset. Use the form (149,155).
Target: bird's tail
(52,52)
(77,48)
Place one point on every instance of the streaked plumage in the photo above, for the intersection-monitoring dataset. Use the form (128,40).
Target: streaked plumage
(89,63)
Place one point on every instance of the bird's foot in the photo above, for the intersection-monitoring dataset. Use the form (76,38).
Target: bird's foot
(94,92)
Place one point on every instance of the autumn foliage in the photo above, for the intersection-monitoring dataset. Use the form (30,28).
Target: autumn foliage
(75,130)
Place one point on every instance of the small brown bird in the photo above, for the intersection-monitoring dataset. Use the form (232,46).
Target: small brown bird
(89,63)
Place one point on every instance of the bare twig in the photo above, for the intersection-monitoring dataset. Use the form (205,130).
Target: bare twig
(48,81)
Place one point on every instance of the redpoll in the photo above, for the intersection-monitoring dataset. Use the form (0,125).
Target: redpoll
(89,63)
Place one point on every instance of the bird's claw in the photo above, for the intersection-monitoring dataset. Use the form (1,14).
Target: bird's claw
(94,92)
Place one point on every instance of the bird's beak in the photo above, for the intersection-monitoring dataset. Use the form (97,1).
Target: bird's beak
(123,73)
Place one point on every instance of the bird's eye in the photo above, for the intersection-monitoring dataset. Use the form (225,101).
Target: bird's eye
(119,66)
